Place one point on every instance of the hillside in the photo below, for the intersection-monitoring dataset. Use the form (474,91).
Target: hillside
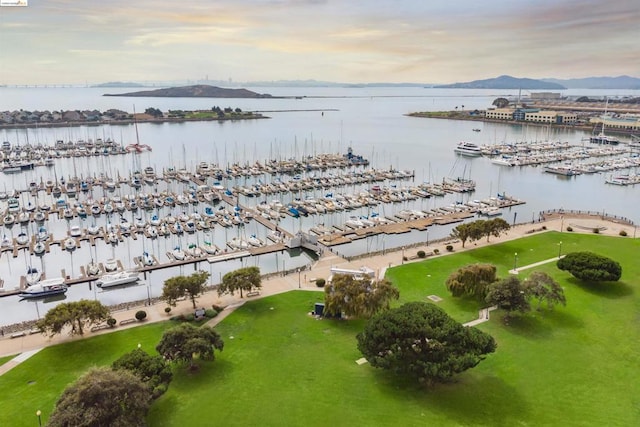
(505,82)
(195,91)
(619,82)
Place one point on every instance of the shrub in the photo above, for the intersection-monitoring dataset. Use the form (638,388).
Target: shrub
(210,313)
(404,258)
(189,317)
(320,282)
(141,314)
(217,308)
(449,248)
(544,227)
(111,322)
(569,228)
(167,310)
(178,318)
(421,254)
(590,267)
(436,251)
(623,233)
(596,230)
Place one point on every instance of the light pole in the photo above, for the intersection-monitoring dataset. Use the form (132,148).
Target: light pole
(299,285)
(39,415)
(559,250)
(403,254)
(427,237)
(561,222)
(515,262)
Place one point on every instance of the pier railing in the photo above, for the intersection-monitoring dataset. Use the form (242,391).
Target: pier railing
(580,213)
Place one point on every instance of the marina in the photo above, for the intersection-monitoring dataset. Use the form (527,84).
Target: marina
(161,208)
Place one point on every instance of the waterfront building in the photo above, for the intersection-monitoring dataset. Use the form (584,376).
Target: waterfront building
(628,123)
(500,114)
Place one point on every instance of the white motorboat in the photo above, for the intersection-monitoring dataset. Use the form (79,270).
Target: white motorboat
(490,211)
(39,248)
(9,219)
(117,279)
(111,265)
(33,276)
(178,253)
(93,230)
(93,269)
(147,259)
(152,232)
(75,231)
(69,244)
(22,239)
(468,149)
(254,241)
(45,288)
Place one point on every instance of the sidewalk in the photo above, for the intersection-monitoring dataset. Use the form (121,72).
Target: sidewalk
(302,280)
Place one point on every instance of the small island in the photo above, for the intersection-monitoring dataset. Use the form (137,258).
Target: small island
(194,91)
(62,118)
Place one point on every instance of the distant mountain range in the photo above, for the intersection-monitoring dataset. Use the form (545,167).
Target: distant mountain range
(620,82)
(501,82)
(505,82)
(119,84)
(194,91)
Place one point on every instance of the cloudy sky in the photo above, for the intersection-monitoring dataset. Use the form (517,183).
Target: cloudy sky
(420,41)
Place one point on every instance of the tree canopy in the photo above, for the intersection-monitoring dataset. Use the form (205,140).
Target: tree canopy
(242,279)
(181,286)
(77,314)
(475,230)
(513,295)
(358,297)
(508,294)
(591,267)
(471,280)
(542,286)
(103,397)
(421,341)
(151,370)
(184,342)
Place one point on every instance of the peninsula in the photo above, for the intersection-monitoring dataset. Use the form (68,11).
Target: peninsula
(194,91)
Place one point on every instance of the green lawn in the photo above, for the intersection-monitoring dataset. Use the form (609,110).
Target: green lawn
(5,359)
(577,365)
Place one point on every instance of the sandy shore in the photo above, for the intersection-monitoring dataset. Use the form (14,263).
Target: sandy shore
(306,280)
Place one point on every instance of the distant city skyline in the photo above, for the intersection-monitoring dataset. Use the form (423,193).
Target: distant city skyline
(70,42)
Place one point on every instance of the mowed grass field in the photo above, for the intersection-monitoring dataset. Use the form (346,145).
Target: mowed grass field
(576,365)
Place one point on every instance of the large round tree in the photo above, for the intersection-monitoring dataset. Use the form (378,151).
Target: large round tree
(103,397)
(420,340)
(591,267)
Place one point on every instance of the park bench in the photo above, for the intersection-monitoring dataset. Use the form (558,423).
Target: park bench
(253,293)
(18,334)
(100,327)
(127,321)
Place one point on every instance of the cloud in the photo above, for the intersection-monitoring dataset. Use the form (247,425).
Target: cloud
(384,40)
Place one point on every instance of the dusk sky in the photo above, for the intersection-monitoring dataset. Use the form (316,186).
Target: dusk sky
(418,41)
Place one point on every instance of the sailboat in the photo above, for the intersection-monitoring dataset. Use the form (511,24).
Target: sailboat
(601,138)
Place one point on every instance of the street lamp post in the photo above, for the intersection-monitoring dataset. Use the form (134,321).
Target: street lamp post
(299,284)
(561,222)
(559,250)
(427,237)
(515,261)
(403,254)
(39,415)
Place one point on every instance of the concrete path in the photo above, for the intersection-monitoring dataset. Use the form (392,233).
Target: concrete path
(535,264)
(17,360)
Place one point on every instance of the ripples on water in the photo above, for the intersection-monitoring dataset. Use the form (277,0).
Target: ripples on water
(371,120)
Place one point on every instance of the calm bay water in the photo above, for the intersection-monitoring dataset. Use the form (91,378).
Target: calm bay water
(370,120)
